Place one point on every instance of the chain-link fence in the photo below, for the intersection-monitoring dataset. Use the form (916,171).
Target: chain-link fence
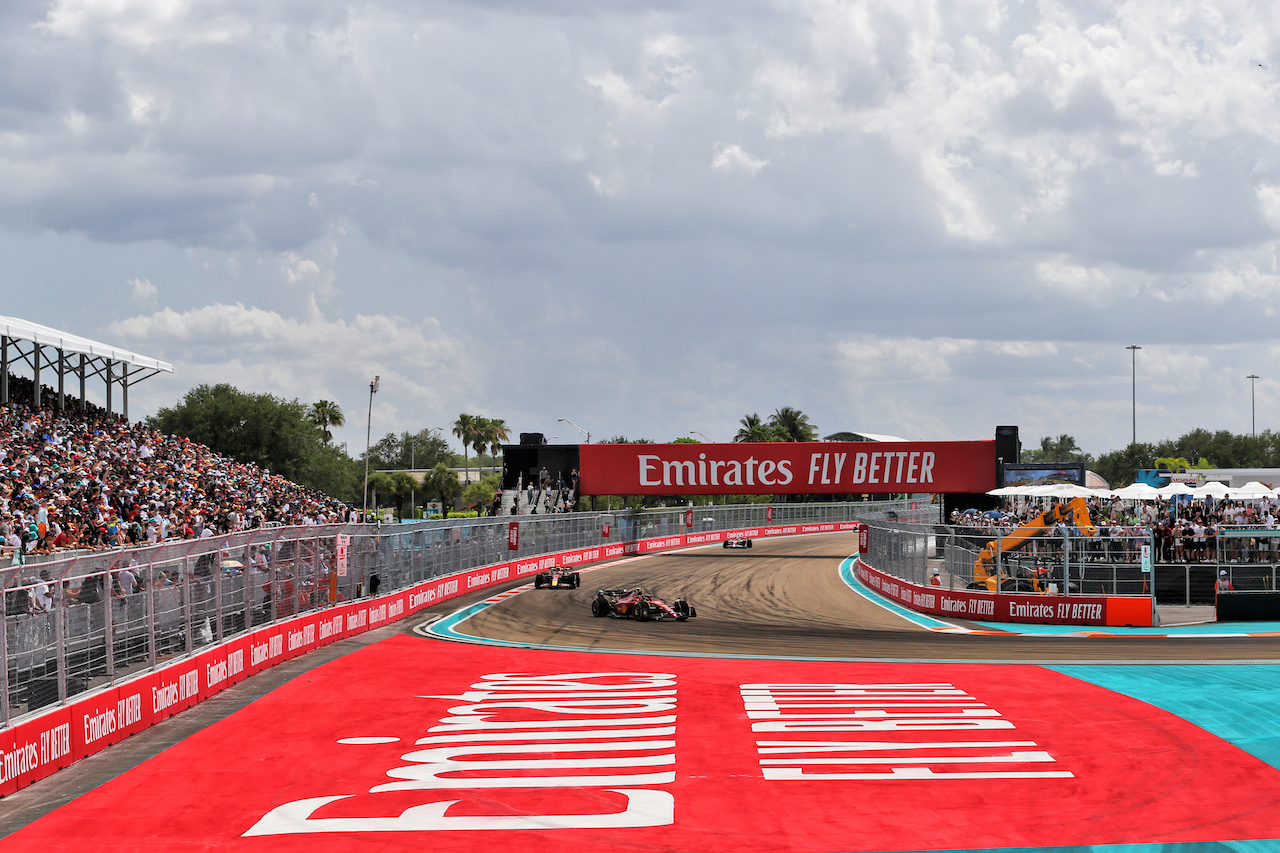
(87,621)
(1063,562)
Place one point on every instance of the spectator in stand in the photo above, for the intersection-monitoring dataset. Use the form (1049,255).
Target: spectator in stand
(104,482)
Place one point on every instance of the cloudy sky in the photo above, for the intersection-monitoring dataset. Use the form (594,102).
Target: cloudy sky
(904,217)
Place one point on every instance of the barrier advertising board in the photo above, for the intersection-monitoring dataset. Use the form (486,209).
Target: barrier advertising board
(1009,607)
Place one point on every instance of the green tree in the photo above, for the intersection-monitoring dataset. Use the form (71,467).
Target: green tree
(1120,467)
(755,429)
(442,485)
(1057,450)
(499,434)
(259,429)
(791,424)
(481,429)
(479,495)
(406,450)
(465,430)
(325,414)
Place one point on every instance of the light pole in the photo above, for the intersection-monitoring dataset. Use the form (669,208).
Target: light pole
(575,426)
(704,438)
(1253,409)
(1133,348)
(368,432)
(413,472)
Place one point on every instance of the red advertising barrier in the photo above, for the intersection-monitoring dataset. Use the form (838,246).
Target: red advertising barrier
(38,747)
(35,749)
(176,688)
(222,667)
(1009,607)
(787,468)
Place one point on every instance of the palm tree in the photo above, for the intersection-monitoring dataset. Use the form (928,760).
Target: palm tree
(792,425)
(498,435)
(442,484)
(465,428)
(325,414)
(754,429)
(480,439)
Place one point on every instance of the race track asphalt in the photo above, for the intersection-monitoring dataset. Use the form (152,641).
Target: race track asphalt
(785,597)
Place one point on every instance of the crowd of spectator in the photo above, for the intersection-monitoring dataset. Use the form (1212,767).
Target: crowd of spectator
(1182,531)
(86,479)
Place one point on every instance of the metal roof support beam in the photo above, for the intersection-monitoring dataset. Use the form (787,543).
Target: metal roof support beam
(124,393)
(110,372)
(35,385)
(4,370)
(81,371)
(62,380)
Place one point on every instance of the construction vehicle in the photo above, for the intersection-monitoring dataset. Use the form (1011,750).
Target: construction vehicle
(986,573)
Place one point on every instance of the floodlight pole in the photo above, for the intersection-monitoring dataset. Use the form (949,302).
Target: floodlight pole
(1253,409)
(575,426)
(368,432)
(704,438)
(1133,348)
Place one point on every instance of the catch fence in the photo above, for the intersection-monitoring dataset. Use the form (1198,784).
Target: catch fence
(81,623)
(1107,563)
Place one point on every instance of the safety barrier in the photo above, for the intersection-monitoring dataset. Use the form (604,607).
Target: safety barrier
(930,568)
(135,660)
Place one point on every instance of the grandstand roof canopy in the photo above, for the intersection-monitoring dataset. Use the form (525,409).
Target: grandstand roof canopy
(24,330)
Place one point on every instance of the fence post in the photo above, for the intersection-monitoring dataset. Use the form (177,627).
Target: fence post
(59,639)
(108,625)
(151,616)
(188,584)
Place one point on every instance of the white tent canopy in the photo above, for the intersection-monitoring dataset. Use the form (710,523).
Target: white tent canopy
(1252,491)
(1137,491)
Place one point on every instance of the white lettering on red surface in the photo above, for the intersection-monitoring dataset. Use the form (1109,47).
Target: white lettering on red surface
(871,732)
(656,471)
(305,636)
(55,743)
(883,468)
(519,731)
(22,759)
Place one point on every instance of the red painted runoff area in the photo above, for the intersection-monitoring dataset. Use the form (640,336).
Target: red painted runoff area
(453,747)
(44,744)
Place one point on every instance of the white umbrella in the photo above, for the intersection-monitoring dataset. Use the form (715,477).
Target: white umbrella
(1213,489)
(1067,490)
(1252,490)
(1175,489)
(1007,491)
(1137,491)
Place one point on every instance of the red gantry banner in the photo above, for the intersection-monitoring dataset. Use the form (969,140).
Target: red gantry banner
(788,468)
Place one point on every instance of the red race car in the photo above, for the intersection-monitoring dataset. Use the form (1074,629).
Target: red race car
(635,603)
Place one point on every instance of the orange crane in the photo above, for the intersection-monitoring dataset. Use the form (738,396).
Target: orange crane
(985,575)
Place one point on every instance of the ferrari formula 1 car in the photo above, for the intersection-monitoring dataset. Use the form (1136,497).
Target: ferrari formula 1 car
(737,542)
(557,579)
(639,605)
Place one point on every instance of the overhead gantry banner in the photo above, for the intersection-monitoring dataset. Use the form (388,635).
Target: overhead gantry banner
(788,468)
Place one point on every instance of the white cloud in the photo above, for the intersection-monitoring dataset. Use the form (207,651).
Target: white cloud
(731,158)
(950,202)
